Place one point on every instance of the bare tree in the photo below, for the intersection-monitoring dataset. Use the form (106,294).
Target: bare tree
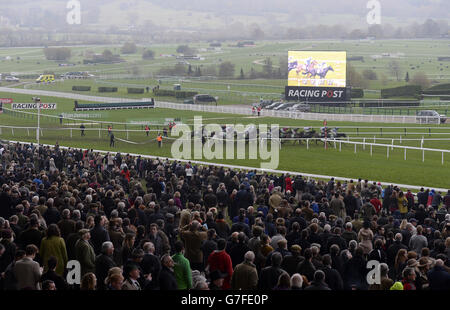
(420,78)
(395,69)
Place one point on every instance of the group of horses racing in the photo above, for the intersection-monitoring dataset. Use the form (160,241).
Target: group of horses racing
(251,132)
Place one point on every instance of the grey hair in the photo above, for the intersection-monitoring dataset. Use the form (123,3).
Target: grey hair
(66,213)
(88,198)
(76,214)
(106,246)
(384,269)
(349,225)
(148,246)
(398,237)
(297,280)
(327,227)
(249,256)
(200,285)
(315,250)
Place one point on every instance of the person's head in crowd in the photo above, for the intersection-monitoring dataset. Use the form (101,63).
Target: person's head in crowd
(409,274)
(48,285)
(148,247)
(276,259)
(53,231)
(284,281)
(179,247)
(319,276)
(116,281)
(167,261)
(384,270)
(249,257)
(131,271)
(52,262)
(31,250)
(201,285)
(88,282)
(221,244)
(296,281)
(85,234)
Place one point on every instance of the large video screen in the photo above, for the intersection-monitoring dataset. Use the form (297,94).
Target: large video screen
(317,69)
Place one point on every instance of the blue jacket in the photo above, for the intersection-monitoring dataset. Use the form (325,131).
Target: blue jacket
(439,278)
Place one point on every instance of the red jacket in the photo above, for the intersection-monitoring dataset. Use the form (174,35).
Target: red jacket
(221,261)
(288,184)
(126,174)
(376,203)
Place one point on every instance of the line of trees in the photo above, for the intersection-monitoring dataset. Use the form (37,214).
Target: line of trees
(57,53)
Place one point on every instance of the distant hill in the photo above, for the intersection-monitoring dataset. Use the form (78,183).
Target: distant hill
(214,14)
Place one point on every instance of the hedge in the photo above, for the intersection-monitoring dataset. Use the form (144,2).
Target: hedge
(389,103)
(107,89)
(402,91)
(164,92)
(185,94)
(355,58)
(357,93)
(179,94)
(135,90)
(81,88)
(443,86)
(437,92)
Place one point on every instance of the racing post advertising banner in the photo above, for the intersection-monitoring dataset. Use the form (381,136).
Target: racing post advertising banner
(316,76)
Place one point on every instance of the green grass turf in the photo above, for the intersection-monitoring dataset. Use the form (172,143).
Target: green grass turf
(343,163)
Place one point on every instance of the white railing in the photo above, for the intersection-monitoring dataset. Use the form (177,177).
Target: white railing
(232,109)
(293,115)
(388,147)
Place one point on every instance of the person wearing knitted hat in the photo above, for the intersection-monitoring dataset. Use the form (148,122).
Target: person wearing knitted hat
(397,286)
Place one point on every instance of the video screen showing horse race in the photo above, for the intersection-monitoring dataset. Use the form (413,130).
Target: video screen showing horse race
(155,123)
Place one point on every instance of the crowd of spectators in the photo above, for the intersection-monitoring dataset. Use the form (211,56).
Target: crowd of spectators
(135,223)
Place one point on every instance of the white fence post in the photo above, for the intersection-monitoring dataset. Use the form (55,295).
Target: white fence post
(405,153)
(423,155)
(355,148)
(340,146)
(12,131)
(442,157)
(388,152)
(307,144)
(364,144)
(371,150)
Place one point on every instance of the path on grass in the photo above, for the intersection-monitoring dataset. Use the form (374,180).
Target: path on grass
(36,92)
(229,109)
